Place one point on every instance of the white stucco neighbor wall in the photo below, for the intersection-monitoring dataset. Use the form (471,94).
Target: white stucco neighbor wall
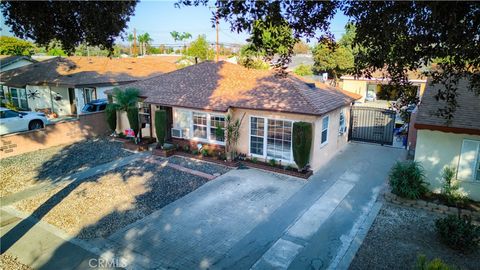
(45,98)
(436,150)
(101,91)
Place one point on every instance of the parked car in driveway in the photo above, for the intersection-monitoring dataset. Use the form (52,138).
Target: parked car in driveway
(14,121)
(96,105)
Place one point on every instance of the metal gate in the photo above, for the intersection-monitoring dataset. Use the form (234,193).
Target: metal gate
(375,125)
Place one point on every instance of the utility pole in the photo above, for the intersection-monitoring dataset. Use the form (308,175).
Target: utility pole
(217,26)
(134,41)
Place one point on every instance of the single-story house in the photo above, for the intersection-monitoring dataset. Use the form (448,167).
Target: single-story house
(455,143)
(8,62)
(373,86)
(198,98)
(65,85)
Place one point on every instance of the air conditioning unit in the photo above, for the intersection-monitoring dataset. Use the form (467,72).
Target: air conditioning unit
(177,133)
(342,130)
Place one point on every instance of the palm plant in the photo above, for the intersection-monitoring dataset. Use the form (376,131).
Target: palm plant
(126,101)
(144,40)
(232,128)
(130,39)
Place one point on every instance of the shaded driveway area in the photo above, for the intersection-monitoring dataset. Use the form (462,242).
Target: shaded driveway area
(196,230)
(249,218)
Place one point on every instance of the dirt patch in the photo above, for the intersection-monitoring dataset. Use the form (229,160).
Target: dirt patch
(23,171)
(11,263)
(399,235)
(99,206)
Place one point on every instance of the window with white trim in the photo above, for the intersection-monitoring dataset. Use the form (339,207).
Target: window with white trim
(469,163)
(324,135)
(342,122)
(182,120)
(271,138)
(257,134)
(19,97)
(279,139)
(217,122)
(200,125)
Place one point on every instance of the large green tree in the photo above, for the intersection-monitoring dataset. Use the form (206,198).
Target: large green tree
(71,22)
(200,49)
(15,46)
(395,36)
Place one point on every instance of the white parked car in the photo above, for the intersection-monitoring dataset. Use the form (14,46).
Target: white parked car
(13,121)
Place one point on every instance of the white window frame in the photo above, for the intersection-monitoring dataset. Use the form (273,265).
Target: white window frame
(265,139)
(190,136)
(322,129)
(476,164)
(209,122)
(16,100)
(200,125)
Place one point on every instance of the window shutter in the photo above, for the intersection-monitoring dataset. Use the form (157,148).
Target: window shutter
(468,158)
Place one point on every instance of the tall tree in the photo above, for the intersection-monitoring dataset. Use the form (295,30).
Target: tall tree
(394,35)
(144,41)
(130,39)
(200,49)
(177,36)
(71,22)
(301,48)
(15,46)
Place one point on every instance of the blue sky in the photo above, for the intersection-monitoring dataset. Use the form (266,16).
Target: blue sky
(159,18)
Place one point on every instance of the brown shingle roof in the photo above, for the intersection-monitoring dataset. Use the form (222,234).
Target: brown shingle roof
(78,71)
(466,117)
(218,86)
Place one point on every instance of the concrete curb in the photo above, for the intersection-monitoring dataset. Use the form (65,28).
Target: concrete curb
(352,250)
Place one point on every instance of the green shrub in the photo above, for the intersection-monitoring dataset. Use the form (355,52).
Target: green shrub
(121,135)
(302,143)
(186,148)
(435,264)
(254,160)
(450,188)
(303,70)
(111,117)
(194,152)
(407,180)
(132,115)
(458,232)
(160,125)
(272,162)
(204,152)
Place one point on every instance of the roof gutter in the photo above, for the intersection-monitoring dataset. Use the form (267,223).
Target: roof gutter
(455,130)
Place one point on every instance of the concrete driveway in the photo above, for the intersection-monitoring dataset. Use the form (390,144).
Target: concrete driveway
(253,219)
(198,229)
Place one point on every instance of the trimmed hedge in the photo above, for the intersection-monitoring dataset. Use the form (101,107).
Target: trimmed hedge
(111,117)
(160,125)
(302,143)
(132,115)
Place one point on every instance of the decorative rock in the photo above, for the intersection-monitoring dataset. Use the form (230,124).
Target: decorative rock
(442,207)
(421,203)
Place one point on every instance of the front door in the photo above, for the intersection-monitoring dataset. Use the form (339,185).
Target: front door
(72,100)
(89,94)
(169,121)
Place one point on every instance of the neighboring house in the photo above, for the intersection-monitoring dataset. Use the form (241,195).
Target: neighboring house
(199,97)
(300,59)
(369,87)
(8,62)
(65,85)
(455,143)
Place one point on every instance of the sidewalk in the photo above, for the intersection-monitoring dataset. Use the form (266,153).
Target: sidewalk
(39,246)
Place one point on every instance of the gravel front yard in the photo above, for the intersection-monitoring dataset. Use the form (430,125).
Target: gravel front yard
(199,165)
(99,206)
(23,171)
(9,262)
(399,235)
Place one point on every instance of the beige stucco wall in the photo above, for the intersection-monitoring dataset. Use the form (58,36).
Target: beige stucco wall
(357,87)
(360,86)
(436,150)
(322,154)
(319,155)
